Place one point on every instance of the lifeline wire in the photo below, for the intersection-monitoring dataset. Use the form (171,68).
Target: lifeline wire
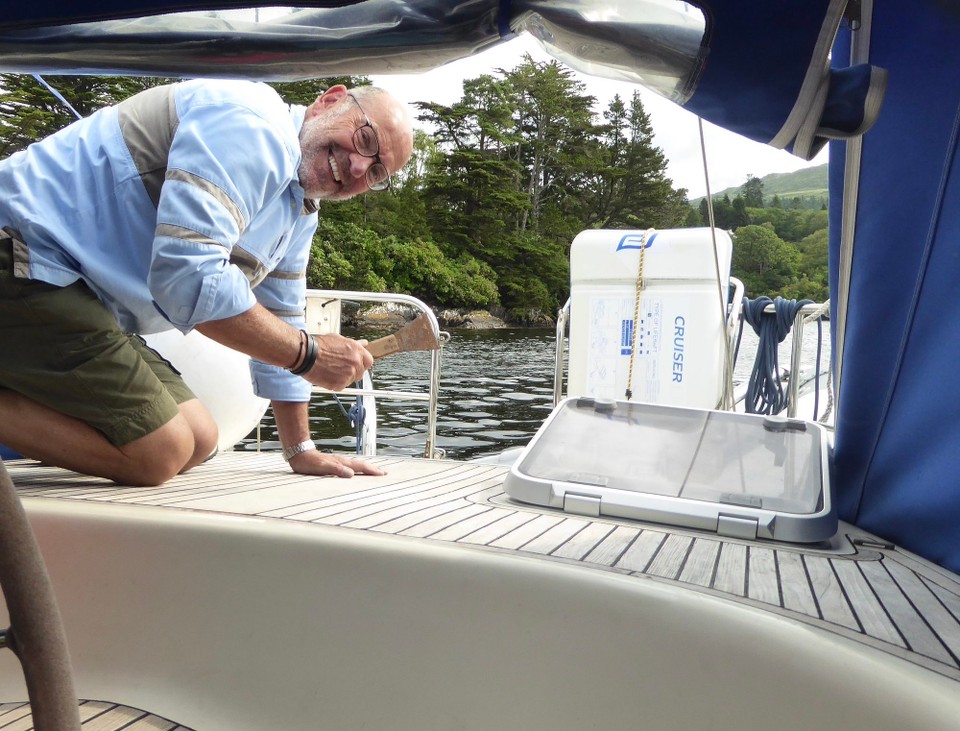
(57,94)
(729,359)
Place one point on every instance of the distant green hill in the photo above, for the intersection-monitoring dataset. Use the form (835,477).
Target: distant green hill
(805,183)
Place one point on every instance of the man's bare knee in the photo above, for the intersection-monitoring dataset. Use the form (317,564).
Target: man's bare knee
(155,458)
(204,429)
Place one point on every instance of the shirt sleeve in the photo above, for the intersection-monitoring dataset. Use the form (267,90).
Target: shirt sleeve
(226,163)
(283,292)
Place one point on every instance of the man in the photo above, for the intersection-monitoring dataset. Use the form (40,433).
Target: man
(189,206)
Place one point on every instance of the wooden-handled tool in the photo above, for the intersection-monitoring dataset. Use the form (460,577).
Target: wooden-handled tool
(416,335)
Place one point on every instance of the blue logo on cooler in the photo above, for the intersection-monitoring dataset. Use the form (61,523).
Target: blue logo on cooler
(626,336)
(636,241)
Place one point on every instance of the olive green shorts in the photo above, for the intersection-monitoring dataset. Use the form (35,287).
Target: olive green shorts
(60,346)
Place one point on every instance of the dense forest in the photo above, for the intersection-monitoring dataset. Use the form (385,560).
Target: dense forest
(499,185)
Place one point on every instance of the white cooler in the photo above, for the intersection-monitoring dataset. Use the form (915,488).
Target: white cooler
(680,350)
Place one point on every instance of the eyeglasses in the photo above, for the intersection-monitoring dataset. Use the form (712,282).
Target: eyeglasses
(367,143)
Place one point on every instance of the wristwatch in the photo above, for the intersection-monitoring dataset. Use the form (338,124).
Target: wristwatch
(291,452)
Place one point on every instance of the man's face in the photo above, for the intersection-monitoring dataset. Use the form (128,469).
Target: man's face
(331,168)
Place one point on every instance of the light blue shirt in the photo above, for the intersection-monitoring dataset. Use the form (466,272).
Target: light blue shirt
(179,206)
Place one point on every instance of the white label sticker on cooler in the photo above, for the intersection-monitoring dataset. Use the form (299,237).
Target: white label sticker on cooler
(675,351)
(613,336)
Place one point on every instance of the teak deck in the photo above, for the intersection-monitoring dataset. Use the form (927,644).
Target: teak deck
(94,716)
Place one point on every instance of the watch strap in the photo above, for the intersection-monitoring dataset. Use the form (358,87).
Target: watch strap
(291,452)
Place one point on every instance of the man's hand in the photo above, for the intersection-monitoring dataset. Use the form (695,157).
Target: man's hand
(293,423)
(261,335)
(340,362)
(313,462)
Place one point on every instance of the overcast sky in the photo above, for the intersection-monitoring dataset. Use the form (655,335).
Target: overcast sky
(730,158)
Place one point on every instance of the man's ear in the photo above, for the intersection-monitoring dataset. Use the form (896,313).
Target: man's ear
(332,95)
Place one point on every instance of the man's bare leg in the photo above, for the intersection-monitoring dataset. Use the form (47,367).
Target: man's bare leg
(39,432)
(204,428)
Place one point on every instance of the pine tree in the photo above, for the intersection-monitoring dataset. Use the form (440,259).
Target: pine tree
(30,112)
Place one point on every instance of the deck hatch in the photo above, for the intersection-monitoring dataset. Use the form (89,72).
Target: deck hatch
(730,473)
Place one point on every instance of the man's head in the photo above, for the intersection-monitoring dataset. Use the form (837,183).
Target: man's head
(345,134)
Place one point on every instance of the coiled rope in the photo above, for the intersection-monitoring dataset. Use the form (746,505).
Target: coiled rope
(765,391)
(357,415)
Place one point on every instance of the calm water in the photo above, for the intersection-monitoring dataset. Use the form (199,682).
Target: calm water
(496,389)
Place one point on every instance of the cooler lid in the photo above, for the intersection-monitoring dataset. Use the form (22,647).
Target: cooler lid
(633,455)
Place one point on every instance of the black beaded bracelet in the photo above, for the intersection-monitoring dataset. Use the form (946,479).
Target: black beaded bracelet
(310,358)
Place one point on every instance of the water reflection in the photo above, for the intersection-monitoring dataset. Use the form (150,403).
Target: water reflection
(496,389)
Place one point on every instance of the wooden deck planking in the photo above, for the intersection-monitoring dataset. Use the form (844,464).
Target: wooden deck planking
(550,540)
(12,712)
(731,576)
(94,716)
(584,541)
(402,524)
(613,546)
(408,478)
(114,718)
(701,563)
(763,580)
(463,503)
(432,525)
(639,554)
(343,509)
(668,563)
(467,526)
(523,534)
(795,585)
(828,593)
(909,623)
(512,520)
(874,619)
(935,613)
(381,512)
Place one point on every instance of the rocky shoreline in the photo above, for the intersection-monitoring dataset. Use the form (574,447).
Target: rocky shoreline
(390,316)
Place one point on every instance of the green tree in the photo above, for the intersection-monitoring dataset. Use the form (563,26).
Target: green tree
(792,224)
(740,217)
(813,267)
(694,218)
(472,190)
(553,116)
(29,111)
(752,192)
(763,261)
(625,185)
(724,214)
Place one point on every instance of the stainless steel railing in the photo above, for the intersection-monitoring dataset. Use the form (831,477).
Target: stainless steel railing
(323,315)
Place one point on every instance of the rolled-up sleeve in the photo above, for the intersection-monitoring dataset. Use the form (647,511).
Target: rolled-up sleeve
(226,164)
(283,293)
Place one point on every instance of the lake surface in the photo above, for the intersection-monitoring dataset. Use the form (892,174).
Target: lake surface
(496,389)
